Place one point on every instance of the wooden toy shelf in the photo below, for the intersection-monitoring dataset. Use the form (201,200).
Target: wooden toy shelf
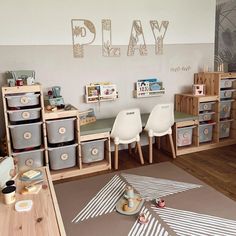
(216,111)
(81,168)
(23,113)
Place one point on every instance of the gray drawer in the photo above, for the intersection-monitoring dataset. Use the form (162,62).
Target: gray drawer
(62,157)
(29,160)
(26,136)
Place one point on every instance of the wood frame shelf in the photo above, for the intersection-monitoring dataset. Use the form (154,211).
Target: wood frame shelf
(188,103)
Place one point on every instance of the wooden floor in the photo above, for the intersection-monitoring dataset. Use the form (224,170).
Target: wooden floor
(216,167)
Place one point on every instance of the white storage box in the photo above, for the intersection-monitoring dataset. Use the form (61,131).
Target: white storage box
(184,136)
(206,106)
(62,157)
(24,115)
(26,136)
(206,116)
(224,128)
(29,160)
(23,100)
(226,83)
(205,132)
(225,108)
(59,131)
(224,94)
(92,151)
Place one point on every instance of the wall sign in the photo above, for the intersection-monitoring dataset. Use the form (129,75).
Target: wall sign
(84,33)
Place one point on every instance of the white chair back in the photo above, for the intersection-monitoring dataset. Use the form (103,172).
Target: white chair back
(127,126)
(161,119)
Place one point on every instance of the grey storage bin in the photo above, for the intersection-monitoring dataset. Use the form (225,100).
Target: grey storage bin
(227,93)
(205,132)
(23,100)
(29,160)
(225,108)
(92,151)
(206,116)
(206,106)
(62,157)
(184,136)
(224,128)
(59,131)
(26,136)
(226,83)
(23,115)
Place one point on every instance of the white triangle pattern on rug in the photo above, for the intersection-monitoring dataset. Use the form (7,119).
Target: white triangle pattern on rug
(152,227)
(195,224)
(104,201)
(153,188)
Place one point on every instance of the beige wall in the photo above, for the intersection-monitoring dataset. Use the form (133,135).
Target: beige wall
(54,65)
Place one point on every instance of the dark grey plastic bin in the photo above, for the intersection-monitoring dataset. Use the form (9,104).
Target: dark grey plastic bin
(62,157)
(26,135)
(23,115)
(29,160)
(92,151)
(59,131)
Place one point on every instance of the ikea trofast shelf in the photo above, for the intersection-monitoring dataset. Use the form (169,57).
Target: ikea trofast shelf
(23,113)
(216,125)
(70,153)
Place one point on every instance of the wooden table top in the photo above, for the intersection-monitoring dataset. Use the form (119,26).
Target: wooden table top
(43,219)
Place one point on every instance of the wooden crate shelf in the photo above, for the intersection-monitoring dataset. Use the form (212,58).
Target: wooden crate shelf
(190,104)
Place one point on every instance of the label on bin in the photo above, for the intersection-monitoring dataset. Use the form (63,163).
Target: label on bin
(62,130)
(25,115)
(29,162)
(24,100)
(27,135)
(64,157)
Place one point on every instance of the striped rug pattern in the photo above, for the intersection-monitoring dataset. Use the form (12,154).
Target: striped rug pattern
(104,201)
(190,223)
(152,228)
(152,188)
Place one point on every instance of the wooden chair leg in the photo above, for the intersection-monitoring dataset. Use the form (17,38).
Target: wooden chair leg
(159,143)
(116,156)
(140,153)
(130,148)
(150,150)
(172,146)
(136,148)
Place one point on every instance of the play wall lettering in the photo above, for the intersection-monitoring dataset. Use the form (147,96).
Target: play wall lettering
(84,33)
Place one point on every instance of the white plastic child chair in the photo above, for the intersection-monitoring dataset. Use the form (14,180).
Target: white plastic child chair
(126,130)
(159,124)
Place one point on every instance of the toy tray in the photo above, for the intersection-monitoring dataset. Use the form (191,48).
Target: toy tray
(138,202)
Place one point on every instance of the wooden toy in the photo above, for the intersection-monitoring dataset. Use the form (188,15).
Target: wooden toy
(87,117)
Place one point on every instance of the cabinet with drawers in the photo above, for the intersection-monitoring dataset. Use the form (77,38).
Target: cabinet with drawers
(23,113)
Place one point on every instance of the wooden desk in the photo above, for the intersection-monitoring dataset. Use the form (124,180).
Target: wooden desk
(43,219)
(105,125)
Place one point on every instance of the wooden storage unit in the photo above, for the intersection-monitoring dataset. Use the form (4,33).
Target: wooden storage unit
(58,116)
(80,168)
(222,85)
(23,108)
(105,164)
(220,89)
